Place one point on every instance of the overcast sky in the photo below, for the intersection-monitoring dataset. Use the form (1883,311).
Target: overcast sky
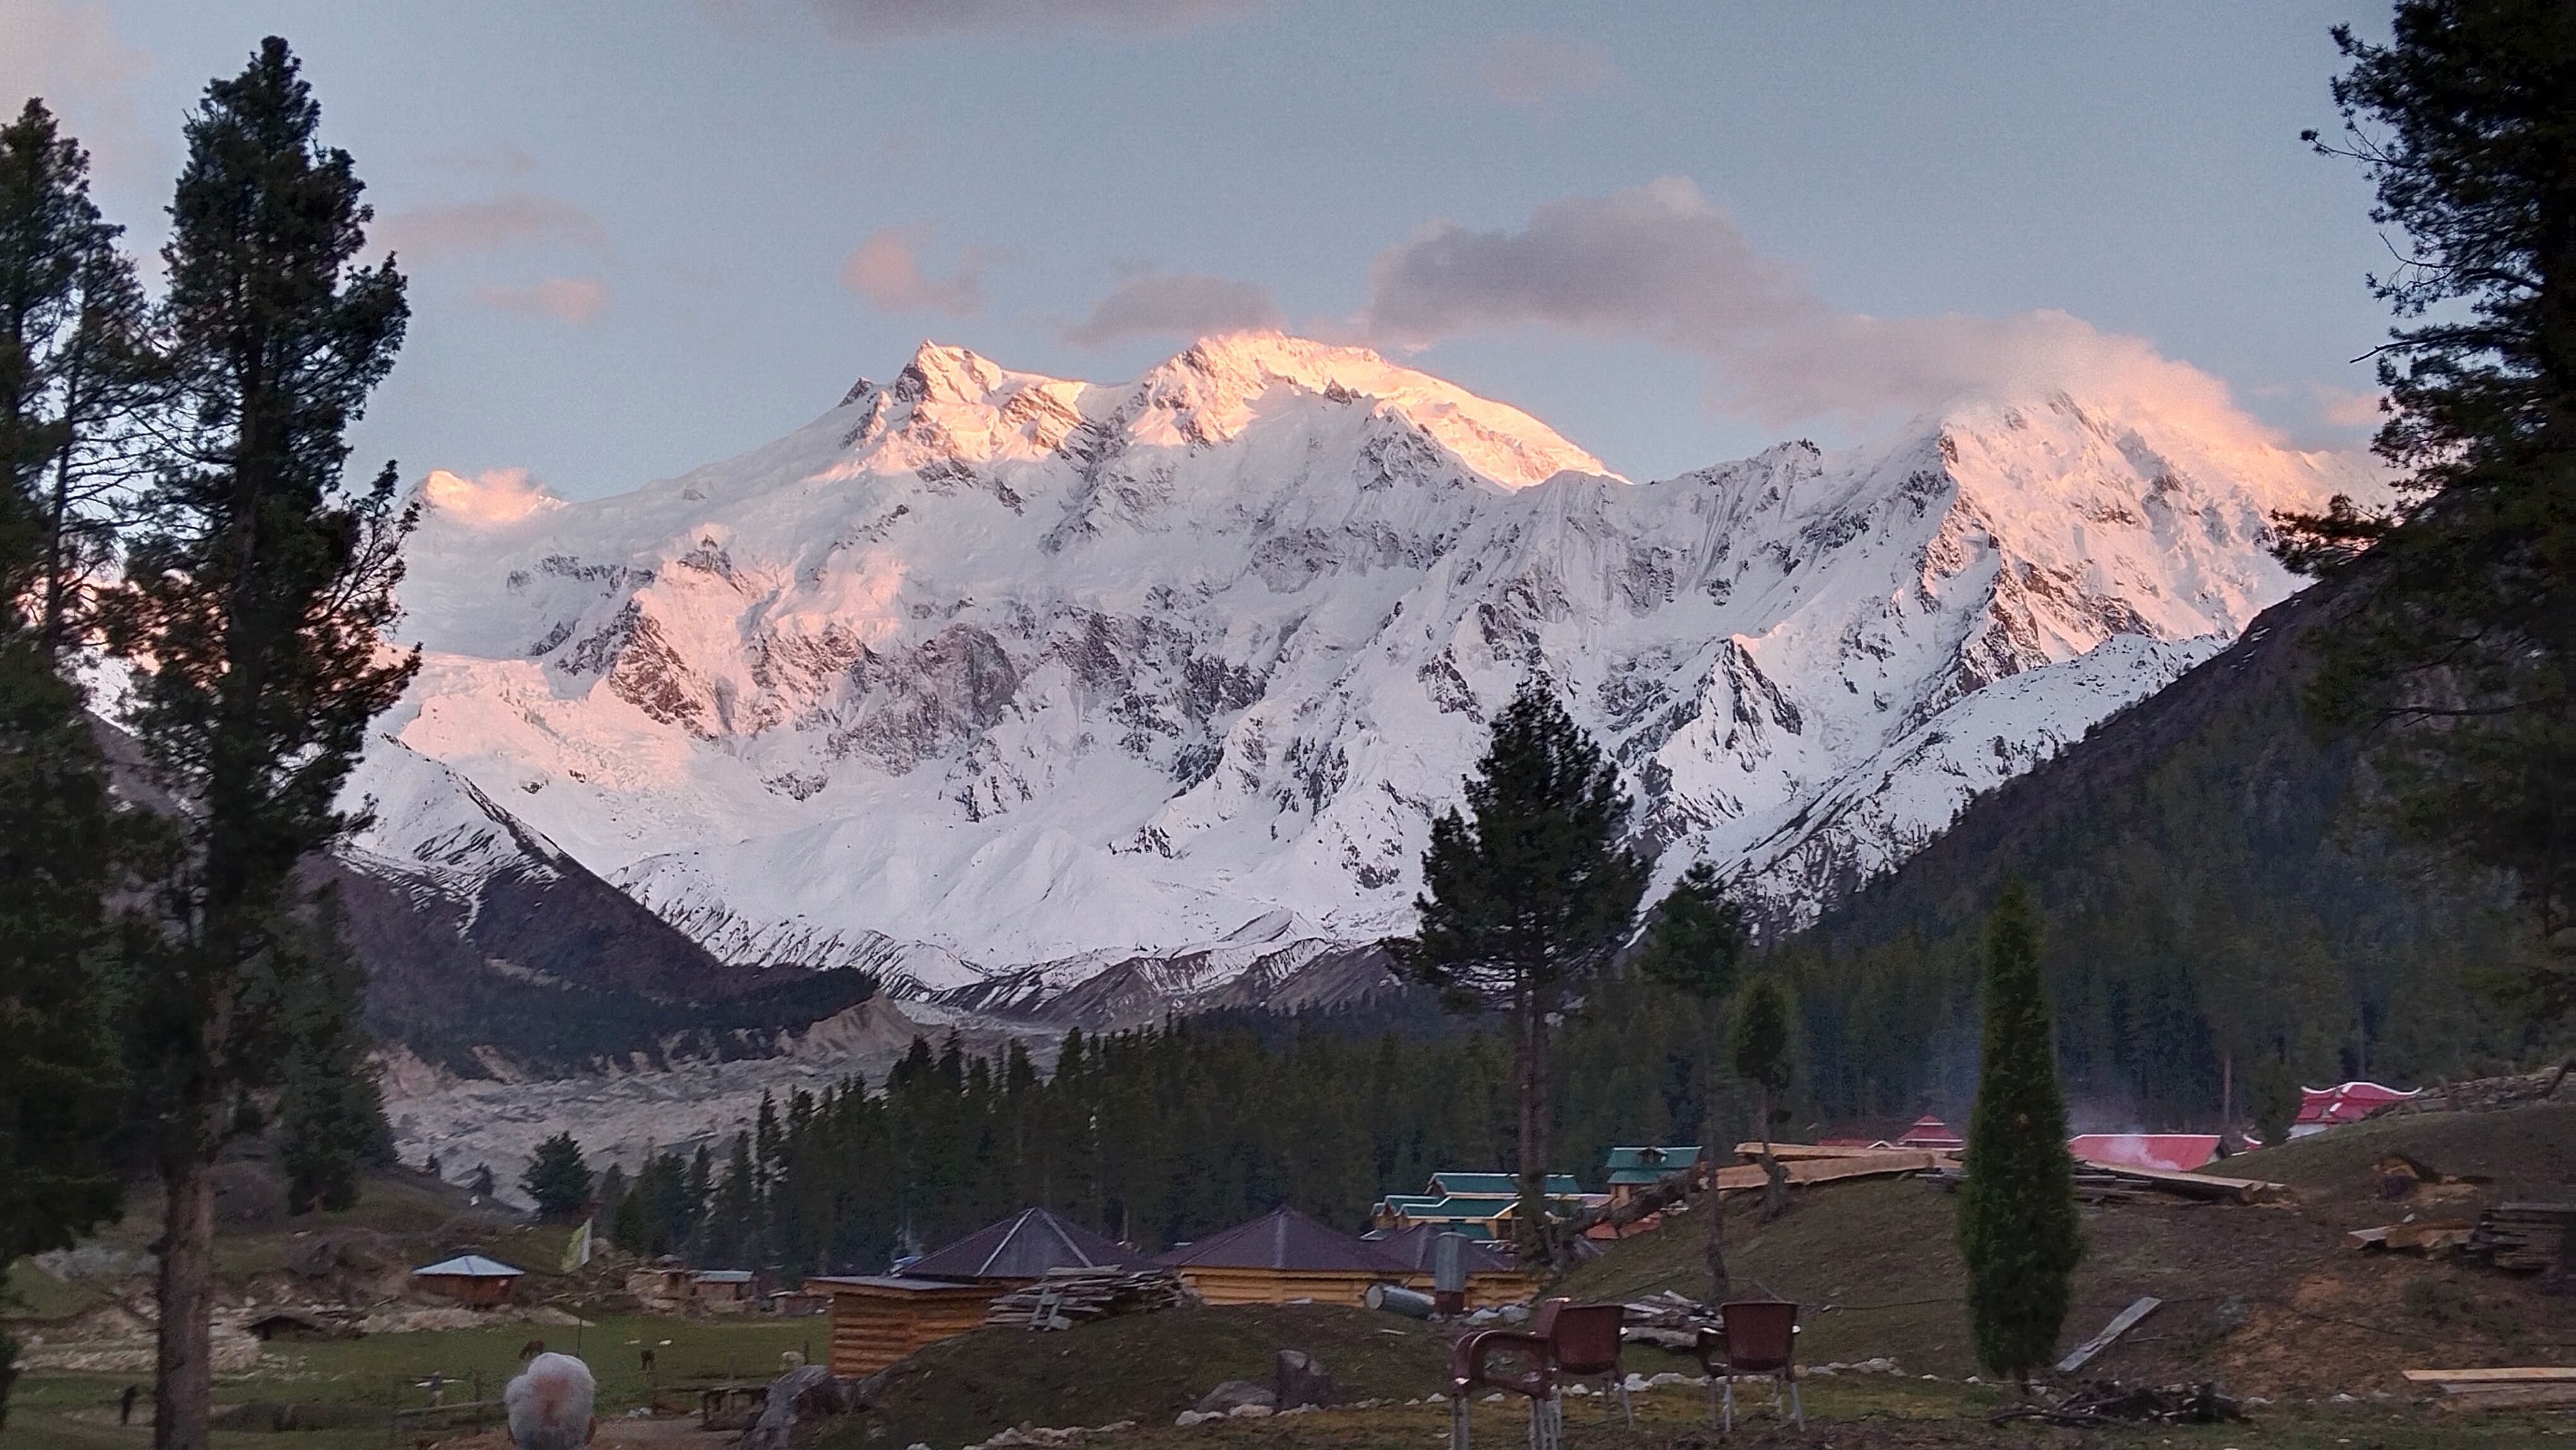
(644,236)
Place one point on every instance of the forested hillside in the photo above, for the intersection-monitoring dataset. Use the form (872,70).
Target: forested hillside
(2212,890)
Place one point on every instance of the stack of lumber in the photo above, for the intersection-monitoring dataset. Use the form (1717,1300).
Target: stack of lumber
(1066,1297)
(1808,1163)
(2521,1388)
(2523,1235)
(2188,1185)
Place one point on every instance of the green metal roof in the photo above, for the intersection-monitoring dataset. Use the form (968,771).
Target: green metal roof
(1660,1160)
(1499,1185)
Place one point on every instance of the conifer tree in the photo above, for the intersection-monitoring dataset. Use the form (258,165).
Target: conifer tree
(2018,1231)
(1525,896)
(558,1178)
(1760,1048)
(1697,941)
(254,610)
(330,1112)
(2459,629)
(62,837)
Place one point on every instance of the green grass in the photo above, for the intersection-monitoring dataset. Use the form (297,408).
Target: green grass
(380,1371)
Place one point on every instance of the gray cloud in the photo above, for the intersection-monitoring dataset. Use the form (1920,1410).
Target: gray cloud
(879,22)
(452,230)
(1533,70)
(1654,261)
(1660,262)
(1176,304)
(886,270)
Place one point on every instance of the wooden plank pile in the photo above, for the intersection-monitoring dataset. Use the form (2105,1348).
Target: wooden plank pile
(2535,1387)
(2117,1183)
(2524,1235)
(1066,1297)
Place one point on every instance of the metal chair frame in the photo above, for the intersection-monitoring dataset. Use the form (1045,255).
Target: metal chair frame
(1471,1368)
(1718,1355)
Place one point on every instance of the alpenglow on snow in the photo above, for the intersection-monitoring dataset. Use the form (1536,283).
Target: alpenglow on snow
(983,670)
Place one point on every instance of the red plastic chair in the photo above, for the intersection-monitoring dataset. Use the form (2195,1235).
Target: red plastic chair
(1473,1365)
(1756,1337)
(1585,1339)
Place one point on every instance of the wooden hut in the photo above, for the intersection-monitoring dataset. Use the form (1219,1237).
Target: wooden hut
(880,1319)
(1493,1275)
(1281,1256)
(469,1279)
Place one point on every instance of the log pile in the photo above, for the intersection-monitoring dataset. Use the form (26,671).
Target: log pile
(1066,1297)
(2524,1235)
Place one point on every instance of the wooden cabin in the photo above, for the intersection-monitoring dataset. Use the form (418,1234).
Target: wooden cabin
(880,1319)
(469,1279)
(1282,1256)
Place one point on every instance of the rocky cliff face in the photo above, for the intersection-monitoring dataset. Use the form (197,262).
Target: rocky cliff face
(993,683)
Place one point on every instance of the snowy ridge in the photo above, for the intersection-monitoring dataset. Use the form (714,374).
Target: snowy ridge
(993,683)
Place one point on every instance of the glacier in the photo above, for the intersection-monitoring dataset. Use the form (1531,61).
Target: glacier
(989,682)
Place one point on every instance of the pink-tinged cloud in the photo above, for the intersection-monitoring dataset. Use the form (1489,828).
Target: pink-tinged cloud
(1176,304)
(880,22)
(1532,71)
(491,498)
(886,270)
(452,231)
(577,300)
(71,56)
(1661,262)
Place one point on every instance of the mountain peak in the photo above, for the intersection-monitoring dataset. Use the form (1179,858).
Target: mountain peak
(1212,388)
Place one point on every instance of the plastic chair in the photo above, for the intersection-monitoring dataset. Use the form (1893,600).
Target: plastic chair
(1472,1367)
(1585,1339)
(1755,1337)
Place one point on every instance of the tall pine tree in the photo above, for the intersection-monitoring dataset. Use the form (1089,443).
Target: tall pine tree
(254,612)
(1697,941)
(1524,897)
(2459,626)
(61,835)
(2018,1230)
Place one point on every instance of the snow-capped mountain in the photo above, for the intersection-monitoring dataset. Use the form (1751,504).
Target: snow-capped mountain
(989,682)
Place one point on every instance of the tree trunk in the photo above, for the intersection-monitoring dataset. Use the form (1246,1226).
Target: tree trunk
(1534,1238)
(1775,1179)
(184,1359)
(1719,1289)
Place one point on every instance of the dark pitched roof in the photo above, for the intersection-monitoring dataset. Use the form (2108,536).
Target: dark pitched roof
(1416,1247)
(1281,1239)
(1023,1246)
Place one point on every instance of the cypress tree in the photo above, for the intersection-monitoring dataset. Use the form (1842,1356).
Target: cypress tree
(1527,898)
(254,611)
(2018,1230)
(1697,941)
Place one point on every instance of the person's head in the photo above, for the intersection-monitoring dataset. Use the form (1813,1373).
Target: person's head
(550,1404)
